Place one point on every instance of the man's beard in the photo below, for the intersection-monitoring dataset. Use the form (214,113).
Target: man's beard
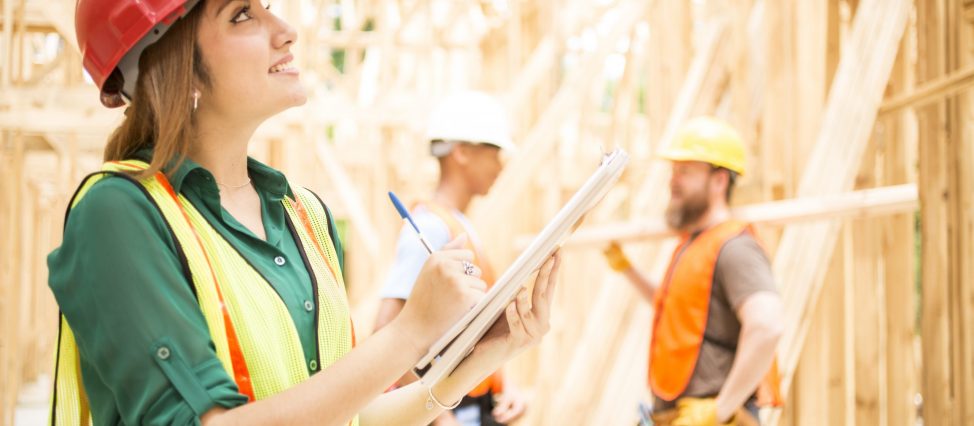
(679,217)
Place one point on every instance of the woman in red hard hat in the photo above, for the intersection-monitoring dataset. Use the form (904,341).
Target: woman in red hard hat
(196,284)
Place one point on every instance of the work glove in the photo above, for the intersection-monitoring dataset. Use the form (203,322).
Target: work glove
(697,412)
(703,412)
(616,258)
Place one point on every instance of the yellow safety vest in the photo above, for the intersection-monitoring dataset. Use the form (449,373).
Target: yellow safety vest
(255,338)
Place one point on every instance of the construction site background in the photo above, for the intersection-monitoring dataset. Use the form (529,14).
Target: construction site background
(859,120)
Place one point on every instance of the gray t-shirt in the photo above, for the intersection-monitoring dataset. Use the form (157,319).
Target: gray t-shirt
(742,270)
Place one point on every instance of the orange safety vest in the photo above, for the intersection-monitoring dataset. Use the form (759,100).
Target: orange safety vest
(495,382)
(681,309)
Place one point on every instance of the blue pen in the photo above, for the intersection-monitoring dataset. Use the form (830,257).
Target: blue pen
(407,218)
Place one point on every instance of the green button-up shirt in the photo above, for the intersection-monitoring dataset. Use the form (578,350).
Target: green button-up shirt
(118,281)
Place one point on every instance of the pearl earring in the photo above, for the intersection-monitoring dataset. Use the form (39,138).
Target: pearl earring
(196,99)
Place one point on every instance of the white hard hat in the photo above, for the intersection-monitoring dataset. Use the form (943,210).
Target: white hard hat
(473,117)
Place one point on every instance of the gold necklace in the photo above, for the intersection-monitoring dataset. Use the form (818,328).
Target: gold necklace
(235,187)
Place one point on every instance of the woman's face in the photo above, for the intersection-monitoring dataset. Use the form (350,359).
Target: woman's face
(246,50)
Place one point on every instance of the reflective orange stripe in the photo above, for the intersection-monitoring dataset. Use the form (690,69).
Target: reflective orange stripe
(303,215)
(682,306)
(240,372)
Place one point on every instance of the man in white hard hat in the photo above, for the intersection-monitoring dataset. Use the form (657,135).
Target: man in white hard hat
(468,133)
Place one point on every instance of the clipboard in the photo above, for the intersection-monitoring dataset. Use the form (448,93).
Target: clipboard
(447,352)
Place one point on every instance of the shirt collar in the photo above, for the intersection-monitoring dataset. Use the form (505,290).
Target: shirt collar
(266,179)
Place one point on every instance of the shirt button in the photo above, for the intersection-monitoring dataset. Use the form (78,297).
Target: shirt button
(308,306)
(314,365)
(163,353)
(279,260)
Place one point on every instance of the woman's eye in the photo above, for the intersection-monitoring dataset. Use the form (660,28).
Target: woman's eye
(242,16)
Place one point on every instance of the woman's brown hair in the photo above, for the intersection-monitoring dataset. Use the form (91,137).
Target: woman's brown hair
(161,112)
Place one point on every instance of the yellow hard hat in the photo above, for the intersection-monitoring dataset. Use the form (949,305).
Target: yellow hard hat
(709,140)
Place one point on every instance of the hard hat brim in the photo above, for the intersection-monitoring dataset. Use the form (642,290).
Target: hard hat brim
(504,145)
(676,154)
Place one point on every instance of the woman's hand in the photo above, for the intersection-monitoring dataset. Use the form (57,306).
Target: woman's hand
(443,293)
(526,319)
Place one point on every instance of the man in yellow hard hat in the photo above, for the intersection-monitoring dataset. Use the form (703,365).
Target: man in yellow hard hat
(717,316)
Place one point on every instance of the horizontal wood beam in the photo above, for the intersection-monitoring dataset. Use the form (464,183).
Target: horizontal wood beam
(44,121)
(856,204)
(34,21)
(931,92)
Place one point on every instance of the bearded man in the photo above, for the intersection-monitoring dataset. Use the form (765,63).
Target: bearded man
(718,314)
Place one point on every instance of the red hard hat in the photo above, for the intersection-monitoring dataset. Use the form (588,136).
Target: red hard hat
(112,35)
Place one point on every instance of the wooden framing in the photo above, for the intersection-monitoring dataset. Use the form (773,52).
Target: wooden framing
(946,222)
(539,142)
(899,248)
(850,112)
